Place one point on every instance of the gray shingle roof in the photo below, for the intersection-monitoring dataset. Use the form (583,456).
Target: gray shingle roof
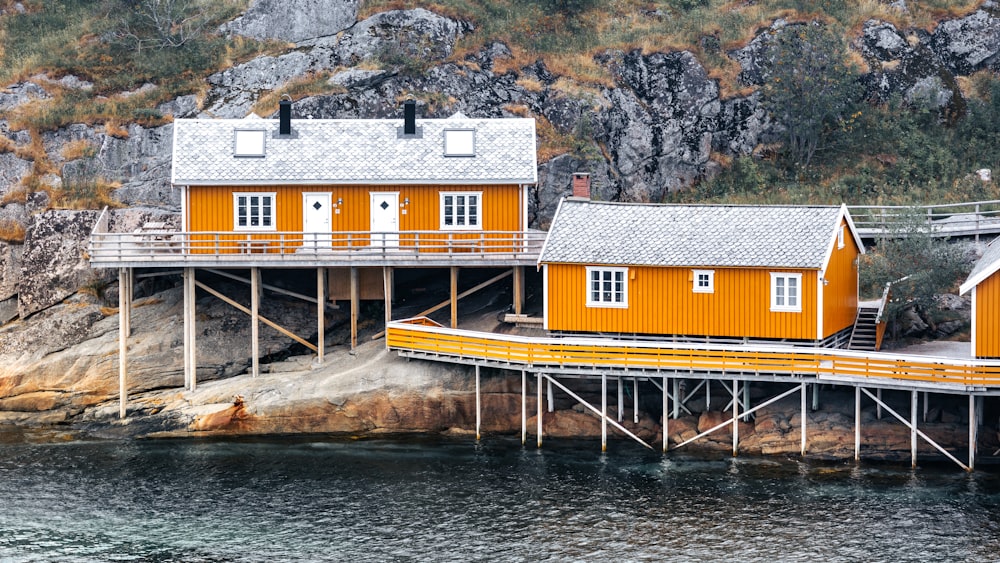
(984,268)
(332,151)
(588,232)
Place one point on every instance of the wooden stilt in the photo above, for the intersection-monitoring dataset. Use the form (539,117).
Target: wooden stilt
(129,298)
(926,406)
(454,297)
(354,308)
(666,412)
(621,398)
(973,427)
(604,412)
(550,396)
(387,275)
(539,400)
(518,289)
(479,416)
(913,429)
(857,423)
(815,405)
(524,407)
(635,400)
(192,329)
(736,417)
(185,275)
(677,397)
(803,418)
(122,340)
(320,314)
(254,321)
(878,405)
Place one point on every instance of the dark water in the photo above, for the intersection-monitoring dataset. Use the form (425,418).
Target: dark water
(318,500)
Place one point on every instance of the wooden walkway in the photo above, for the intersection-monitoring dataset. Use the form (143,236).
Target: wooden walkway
(973,219)
(421,338)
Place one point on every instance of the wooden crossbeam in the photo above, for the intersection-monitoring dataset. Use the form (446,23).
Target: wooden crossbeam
(263,319)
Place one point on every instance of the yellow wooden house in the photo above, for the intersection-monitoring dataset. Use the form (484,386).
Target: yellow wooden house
(984,285)
(702,271)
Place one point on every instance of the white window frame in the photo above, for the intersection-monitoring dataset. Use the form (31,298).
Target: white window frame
(840,236)
(459,142)
(478,216)
(260,207)
(612,302)
(695,278)
(785,296)
(249,142)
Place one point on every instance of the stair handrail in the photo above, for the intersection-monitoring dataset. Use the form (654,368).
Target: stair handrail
(885,298)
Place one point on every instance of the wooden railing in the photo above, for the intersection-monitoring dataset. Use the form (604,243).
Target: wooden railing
(581,354)
(950,219)
(173,246)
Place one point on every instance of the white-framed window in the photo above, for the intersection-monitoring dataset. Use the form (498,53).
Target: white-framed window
(703,281)
(248,142)
(840,236)
(461,210)
(253,211)
(460,142)
(786,292)
(607,287)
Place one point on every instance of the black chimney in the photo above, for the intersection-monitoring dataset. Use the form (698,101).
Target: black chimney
(410,117)
(285,117)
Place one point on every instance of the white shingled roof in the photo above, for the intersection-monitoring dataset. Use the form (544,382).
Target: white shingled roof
(347,151)
(587,232)
(984,268)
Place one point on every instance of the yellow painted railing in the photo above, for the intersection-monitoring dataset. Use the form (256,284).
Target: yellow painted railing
(419,335)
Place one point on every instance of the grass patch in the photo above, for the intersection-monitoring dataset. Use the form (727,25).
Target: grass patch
(11,231)
(86,193)
(312,84)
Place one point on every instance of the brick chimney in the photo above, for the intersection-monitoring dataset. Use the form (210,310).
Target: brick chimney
(581,185)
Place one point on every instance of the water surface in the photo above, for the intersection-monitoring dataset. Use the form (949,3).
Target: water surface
(316,499)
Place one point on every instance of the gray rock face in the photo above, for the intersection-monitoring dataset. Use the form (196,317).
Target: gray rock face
(755,59)
(21,93)
(54,264)
(12,171)
(969,44)
(882,41)
(393,38)
(741,125)
(660,129)
(294,20)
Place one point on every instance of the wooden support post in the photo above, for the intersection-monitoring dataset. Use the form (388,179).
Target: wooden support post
(129,298)
(479,416)
(387,278)
(539,420)
(454,297)
(621,399)
(973,428)
(926,401)
(524,407)
(604,412)
(354,308)
(746,401)
(518,289)
(190,357)
(736,417)
(666,412)
(815,405)
(320,314)
(857,424)
(913,429)
(122,341)
(255,321)
(677,397)
(803,418)
(635,400)
(550,396)
(878,404)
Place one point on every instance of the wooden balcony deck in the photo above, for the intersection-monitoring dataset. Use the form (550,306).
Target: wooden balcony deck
(164,249)
(420,338)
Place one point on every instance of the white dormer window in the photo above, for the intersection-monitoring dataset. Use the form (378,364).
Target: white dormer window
(460,142)
(703,281)
(248,142)
(840,236)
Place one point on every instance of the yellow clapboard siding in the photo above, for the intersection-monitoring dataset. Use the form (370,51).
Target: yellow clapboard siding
(661,301)
(988,317)
(840,294)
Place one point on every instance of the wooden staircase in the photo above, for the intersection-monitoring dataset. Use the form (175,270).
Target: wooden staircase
(864,336)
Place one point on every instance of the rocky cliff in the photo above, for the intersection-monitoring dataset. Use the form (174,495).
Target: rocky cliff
(652,131)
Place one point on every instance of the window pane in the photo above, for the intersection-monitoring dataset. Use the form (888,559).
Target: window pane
(473,210)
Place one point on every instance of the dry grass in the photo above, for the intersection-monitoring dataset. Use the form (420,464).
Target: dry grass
(530,84)
(81,148)
(113,129)
(312,84)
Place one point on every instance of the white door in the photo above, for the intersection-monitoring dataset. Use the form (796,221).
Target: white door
(385,219)
(316,220)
